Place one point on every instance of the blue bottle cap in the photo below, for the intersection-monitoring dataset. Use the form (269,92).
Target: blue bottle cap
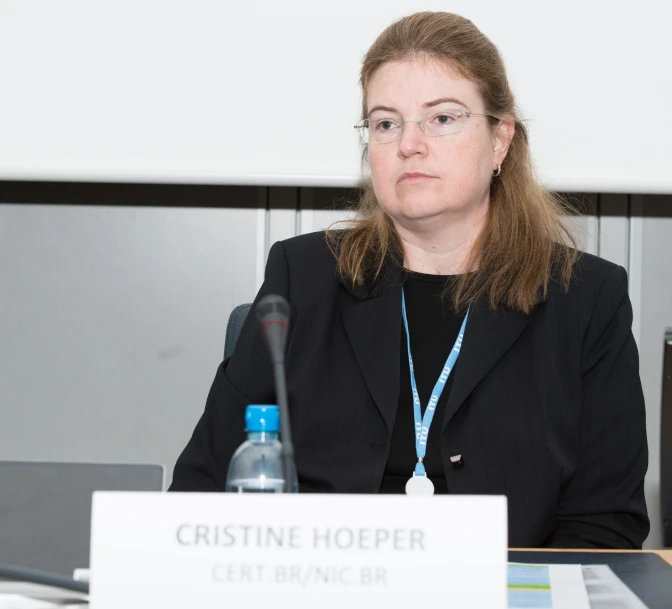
(262,417)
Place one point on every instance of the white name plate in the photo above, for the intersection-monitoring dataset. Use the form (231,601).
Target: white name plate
(250,551)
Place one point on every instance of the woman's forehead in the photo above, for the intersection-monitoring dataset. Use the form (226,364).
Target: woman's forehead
(411,84)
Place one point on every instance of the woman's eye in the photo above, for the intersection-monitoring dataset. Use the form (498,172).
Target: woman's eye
(445,119)
(384,125)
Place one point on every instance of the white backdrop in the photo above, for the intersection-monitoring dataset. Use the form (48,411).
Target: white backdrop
(265,92)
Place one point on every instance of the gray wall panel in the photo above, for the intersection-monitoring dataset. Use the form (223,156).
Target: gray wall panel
(282,224)
(319,219)
(651,294)
(112,319)
(112,324)
(614,229)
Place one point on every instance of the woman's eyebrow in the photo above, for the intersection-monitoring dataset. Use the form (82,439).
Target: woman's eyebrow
(385,108)
(430,104)
(444,100)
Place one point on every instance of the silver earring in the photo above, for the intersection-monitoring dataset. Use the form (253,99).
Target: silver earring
(498,171)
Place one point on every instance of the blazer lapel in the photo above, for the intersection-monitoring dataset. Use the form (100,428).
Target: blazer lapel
(487,337)
(373,327)
(372,321)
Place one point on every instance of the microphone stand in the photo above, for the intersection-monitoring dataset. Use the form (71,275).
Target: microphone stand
(285,428)
(273,315)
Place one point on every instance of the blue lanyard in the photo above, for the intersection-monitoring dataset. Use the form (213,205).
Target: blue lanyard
(422,424)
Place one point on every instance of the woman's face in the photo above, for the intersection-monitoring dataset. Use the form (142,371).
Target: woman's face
(418,176)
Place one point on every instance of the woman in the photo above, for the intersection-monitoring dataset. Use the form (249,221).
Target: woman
(459,249)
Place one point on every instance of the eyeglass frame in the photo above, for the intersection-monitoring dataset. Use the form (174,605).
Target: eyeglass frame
(463,114)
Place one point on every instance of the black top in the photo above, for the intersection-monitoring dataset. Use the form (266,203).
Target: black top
(434,327)
(545,407)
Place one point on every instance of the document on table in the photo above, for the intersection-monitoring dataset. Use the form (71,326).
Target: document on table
(532,586)
(606,590)
(546,587)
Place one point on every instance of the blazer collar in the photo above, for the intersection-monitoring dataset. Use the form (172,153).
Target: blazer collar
(372,321)
(488,336)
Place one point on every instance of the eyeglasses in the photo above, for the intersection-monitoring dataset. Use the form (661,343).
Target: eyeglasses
(381,129)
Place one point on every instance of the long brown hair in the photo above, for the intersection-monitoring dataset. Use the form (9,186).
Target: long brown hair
(524,241)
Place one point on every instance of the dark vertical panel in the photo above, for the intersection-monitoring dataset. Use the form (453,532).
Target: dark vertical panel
(329,198)
(613,205)
(651,206)
(283,197)
(666,441)
(123,194)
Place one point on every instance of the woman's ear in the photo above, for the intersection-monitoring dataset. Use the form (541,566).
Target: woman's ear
(501,140)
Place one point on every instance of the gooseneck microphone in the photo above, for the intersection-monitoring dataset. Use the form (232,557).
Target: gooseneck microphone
(44,578)
(273,315)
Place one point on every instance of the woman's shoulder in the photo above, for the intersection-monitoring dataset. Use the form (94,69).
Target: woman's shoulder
(308,252)
(314,243)
(307,264)
(591,263)
(593,279)
(593,273)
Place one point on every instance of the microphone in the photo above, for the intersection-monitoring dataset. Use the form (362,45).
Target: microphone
(43,578)
(273,315)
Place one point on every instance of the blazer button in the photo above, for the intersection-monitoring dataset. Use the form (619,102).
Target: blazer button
(457,461)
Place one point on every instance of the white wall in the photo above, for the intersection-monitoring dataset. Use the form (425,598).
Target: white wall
(265,92)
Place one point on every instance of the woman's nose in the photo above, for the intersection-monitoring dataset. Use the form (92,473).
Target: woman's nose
(412,139)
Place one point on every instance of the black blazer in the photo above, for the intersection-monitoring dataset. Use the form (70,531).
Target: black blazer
(545,408)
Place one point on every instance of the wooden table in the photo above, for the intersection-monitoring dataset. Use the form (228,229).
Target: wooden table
(666,555)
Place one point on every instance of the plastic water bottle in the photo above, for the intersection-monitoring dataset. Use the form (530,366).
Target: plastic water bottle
(256,467)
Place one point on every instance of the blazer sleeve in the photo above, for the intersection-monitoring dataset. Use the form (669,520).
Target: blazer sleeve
(603,504)
(245,378)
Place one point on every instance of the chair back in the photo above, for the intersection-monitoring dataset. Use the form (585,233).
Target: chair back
(233,328)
